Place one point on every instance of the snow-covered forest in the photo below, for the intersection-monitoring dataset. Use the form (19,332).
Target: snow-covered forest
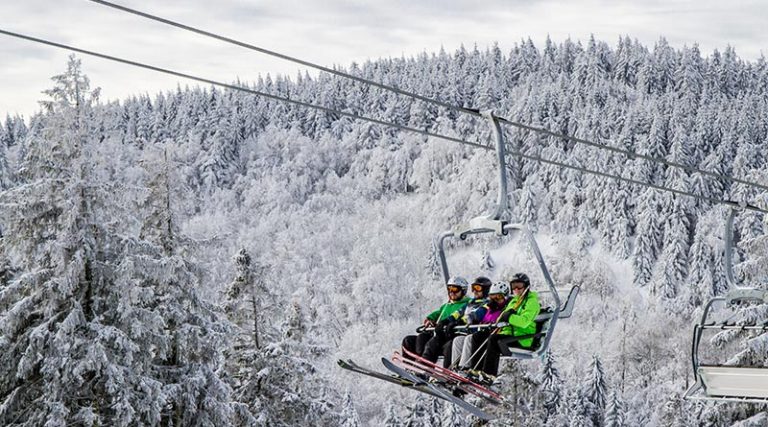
(203,257)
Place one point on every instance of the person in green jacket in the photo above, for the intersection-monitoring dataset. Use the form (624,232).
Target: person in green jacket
(520,313)
(430,344)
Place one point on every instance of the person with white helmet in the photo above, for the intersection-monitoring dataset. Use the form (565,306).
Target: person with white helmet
(473,314)
(430,344)
(464,347)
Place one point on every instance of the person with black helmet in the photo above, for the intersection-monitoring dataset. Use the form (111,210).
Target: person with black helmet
(430,344)
(520,313)
(466,350)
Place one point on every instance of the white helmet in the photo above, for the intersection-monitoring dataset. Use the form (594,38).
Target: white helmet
(499,288)
(458,281)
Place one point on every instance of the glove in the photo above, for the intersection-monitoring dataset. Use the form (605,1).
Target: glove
(428,323)
(504,318)
(444,327)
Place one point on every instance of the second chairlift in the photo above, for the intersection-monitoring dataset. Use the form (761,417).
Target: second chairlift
(718,381)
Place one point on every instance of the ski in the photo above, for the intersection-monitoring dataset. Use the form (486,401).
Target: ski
(451,376)
(446,395)
(394,379)
(461,383)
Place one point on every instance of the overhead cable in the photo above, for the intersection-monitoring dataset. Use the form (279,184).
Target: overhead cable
(282,56)
(368,119)
(239,88)
(472,111)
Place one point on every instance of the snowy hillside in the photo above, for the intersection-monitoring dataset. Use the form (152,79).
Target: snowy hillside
(203,257)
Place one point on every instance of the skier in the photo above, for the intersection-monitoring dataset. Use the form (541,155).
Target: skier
(467,349)
(430,344)
(473,314)
(520,313)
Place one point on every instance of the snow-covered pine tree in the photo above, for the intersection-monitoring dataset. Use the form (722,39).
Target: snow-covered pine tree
(550,387)
(595,390)
(671,413)
(418,412)
(246,297)
(194,334)
(435,412)
(575,410)
(453,416)
(487,263)
(392,419)
(614,412)
(280,383)
(432,265)
(349,417)
(648,237)
(673,261)
(68,352)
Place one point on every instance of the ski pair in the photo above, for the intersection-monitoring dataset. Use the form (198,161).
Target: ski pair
(448,376)
(394,379)
(457,389)
(407,379)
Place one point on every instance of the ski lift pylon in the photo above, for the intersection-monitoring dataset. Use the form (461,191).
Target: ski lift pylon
(725,382)
(494,223)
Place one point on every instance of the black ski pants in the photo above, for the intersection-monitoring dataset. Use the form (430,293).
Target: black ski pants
(493,354)
(430,346)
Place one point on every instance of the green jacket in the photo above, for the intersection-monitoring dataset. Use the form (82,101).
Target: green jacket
(523,322)
(447,309)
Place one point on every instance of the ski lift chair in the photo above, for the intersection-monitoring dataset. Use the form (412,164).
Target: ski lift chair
(723,382)
(547,320)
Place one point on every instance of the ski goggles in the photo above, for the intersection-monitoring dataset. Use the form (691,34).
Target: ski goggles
(497,297)
(452,288)
(477,287)
(517,286)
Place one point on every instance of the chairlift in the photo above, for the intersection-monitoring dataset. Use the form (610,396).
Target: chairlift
(724,382)
(547,319)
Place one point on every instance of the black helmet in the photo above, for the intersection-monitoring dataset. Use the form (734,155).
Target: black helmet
(485,283)
(521,278)
(482,280)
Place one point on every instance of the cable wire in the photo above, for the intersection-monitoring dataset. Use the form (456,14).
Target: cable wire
(239,88)
(285,57)
(472,111)
(376,121)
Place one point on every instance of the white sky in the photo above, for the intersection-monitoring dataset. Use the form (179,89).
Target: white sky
(330,32)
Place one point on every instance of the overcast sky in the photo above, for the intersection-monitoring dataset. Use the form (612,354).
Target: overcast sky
(330,32)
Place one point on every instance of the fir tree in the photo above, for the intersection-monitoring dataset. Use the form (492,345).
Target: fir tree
(418,413)
(487,263)
(392,419)
(349,417)
(614,413)
(595,391)
(550,387)
(453,416)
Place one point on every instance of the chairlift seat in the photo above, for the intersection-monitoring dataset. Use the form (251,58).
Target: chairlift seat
(510,348)
(735,381)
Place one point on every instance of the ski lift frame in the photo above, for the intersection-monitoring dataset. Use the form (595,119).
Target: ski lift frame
(494,224)
(722,382)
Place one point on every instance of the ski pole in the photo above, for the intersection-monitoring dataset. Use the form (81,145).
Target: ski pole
(484,344)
